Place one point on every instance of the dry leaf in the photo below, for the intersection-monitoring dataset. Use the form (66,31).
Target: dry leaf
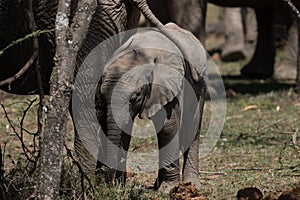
(250,107)
(294,139)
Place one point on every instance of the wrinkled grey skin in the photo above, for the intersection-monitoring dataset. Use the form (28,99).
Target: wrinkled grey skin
(188,14)
(15,23)
(262,63)
(151,99)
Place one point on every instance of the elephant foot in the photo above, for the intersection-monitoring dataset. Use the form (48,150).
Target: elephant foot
(257,71)
(286,71)
(194,179)
(233,52)
(166,186)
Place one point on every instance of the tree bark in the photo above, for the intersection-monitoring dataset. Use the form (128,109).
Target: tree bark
(298,59)
(69,39)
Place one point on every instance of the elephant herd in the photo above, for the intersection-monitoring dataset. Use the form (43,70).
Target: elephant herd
(144,88)
(192,18)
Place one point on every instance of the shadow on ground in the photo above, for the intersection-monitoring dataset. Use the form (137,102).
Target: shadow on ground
(243,85)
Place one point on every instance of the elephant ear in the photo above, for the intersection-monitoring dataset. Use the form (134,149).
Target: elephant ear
(166,84)
(163,58)
(191,48)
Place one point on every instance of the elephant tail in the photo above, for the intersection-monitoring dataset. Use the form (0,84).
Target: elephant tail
(146,11)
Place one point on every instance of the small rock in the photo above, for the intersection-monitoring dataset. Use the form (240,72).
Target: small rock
(249,193)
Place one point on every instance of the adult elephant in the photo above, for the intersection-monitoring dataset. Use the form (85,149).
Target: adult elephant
(262,63)
(153,79)
(15,23)
(191,15)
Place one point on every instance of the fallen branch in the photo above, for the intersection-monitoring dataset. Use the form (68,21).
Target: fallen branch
(272,124)
(251,169)
(212,173)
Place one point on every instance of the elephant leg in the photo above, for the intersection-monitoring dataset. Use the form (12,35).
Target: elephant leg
(234,48)
(85,158)
(190,15)
(168,143)
(189,137)
(262,62)
(104,172)
(116,149)
(287,69)
(121,172)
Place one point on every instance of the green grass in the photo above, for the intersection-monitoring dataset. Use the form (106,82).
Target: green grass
(256,147)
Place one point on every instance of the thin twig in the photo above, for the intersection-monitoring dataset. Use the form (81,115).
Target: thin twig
(35,34)
(37,69)
(32,58)
(22,70)
(265,168)
(83,174)
(293,8)
(272,124)
(20,137)
(38,78)
(212,173)
(251,169)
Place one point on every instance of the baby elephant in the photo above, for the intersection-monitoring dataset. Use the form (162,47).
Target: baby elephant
(158,75)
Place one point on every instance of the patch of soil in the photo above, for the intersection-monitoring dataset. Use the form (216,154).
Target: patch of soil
(186,191)
(252,193)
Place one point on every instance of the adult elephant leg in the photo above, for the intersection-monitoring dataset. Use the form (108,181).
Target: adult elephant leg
(234,48)
(85,158)
(168,143)
(287,69)
(190,15)
(262,62)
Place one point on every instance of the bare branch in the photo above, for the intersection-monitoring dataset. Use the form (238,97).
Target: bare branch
(22,70)
(34,34)
(293,8)
(20,136)
(83,174)
(37,73)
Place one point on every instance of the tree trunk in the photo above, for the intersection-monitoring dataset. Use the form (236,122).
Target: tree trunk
(298,59)
(68,40)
